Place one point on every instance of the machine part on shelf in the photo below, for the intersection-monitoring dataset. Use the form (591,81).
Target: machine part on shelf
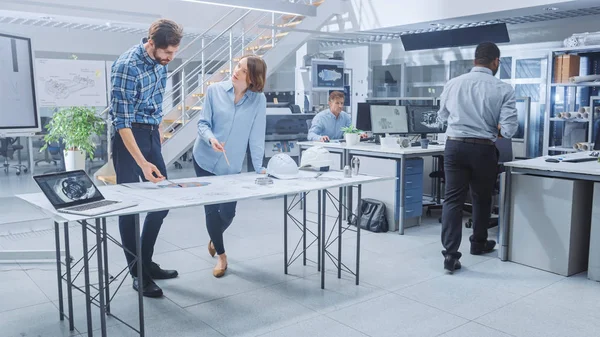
(584,39)
(582,146)
(355,166)
(347,171)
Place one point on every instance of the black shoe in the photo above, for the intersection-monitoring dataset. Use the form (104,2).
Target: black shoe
(161,274)
(451,264)
(151,289)
(482,248)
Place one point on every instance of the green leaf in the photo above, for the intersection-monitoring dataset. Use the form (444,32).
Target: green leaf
(350,129)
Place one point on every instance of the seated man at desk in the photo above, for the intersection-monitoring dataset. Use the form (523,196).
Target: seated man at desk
(328,124)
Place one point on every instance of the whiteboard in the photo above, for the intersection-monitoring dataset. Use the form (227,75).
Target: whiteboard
(64,83)
(18,110)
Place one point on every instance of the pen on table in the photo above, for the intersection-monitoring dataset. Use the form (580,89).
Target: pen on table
(174,183)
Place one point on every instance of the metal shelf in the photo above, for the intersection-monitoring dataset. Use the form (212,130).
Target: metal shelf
(582,84)
(562,149)
(571,120)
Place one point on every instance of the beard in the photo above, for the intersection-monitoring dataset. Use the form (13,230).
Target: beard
(162,61)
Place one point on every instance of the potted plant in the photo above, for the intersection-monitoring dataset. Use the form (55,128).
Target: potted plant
(74,127)
(351,134)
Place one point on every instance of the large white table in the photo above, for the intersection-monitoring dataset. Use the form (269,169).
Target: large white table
(220,189)
(399,154)
(583,172)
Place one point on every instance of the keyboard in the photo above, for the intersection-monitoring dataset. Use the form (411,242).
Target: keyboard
(93,205)
(579,160)
(370,139)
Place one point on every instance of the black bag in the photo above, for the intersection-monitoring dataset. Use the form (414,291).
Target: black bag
(373,216)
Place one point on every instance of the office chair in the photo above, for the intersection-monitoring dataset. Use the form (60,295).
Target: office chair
(50,153)
(8,146)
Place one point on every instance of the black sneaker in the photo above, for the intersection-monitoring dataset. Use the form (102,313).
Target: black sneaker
(150,289)
(161,274)
(482,248)
(451,264)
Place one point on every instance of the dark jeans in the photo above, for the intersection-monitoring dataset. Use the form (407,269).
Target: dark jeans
(467,165)
(129,172)
(218,216)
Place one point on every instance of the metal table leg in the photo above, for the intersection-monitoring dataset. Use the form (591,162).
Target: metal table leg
(101,293)
(303,228)
(359,214)
(399,216)
(86,268)
(106,275)
(285,234)
(69,282)
(340,206)
(140,275)
(504,221)
(61,307)
(319,237)
(322,234)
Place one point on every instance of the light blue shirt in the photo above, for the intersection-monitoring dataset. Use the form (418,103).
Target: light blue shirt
(326,124)
(236,125)
(475,103)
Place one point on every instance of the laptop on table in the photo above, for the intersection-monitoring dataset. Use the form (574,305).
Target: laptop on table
(73,192)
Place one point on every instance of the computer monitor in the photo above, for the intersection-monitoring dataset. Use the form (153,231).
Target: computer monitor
(363,115)
(388,119)
(423,120)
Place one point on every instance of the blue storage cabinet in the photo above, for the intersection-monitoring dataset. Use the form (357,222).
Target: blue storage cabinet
(413,188)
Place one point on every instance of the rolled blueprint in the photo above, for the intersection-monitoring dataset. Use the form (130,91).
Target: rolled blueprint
(583,115)
(582,146)
(586,78)
(565,115)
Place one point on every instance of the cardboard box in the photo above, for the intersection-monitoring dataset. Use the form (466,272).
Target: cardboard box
(566,66)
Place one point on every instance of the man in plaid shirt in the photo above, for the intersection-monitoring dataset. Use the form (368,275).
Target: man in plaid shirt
(138,80)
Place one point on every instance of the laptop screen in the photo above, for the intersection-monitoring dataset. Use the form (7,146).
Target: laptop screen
(67,189)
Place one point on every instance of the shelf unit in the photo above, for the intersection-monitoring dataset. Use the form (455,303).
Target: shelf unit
(578,99)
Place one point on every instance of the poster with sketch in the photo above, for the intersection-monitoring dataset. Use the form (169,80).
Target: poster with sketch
(71,83)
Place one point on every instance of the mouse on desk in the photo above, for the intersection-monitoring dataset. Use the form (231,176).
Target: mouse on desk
(552,160)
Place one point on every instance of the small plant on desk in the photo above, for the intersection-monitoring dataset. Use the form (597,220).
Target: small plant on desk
(351,134)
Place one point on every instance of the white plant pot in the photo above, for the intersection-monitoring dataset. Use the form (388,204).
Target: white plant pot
(74,160)
(352,138)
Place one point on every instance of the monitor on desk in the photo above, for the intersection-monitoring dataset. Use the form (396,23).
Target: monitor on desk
(389,119)
(422,119)
(363,115)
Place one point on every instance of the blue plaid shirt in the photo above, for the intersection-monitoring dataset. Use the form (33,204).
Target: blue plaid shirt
(138,84)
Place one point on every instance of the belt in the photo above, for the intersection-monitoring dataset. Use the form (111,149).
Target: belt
(472,140)
(144,126)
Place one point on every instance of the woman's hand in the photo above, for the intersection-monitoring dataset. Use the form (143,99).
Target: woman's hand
(216,145)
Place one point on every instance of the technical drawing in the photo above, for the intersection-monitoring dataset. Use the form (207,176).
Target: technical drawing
(63,88)
(385,124)
(429,120)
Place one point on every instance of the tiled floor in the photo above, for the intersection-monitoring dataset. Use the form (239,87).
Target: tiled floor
(403,291)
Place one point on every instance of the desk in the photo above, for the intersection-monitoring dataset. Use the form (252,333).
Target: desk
(220,189)
(562,239)
(398,154)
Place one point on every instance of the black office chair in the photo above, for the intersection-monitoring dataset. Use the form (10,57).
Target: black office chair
(8,147)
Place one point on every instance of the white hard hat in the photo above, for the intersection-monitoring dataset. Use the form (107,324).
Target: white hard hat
(282,166)
(316,157)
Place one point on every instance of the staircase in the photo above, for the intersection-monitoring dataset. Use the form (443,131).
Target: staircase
(267,36)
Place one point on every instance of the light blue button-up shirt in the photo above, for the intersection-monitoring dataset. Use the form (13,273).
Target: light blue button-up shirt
(237,125)
(474,104)
(326,124)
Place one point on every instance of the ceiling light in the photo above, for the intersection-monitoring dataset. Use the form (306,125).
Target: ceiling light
(550,9)
(46,18)
(436,24)
(207,2)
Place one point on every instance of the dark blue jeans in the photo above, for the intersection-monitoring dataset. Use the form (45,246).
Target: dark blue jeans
(218,217)
(129,172)
(473,166)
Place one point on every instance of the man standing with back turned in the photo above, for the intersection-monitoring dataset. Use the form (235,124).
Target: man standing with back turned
(138,83)
(478,108)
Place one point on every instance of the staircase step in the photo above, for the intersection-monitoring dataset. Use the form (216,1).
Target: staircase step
(108,179)
(277,36)
(289,17)
(168,135)
(198,95)
(225,71)
(237,59)
(290,24)
(190,108)
(318,3)
(172,121)
(263,47)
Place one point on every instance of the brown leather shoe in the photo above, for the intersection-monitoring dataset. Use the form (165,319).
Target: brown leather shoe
(211,249)
(218,272)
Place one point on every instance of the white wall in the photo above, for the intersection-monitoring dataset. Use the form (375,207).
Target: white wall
(373,14)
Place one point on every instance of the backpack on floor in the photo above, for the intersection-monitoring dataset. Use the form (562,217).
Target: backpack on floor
(372,216)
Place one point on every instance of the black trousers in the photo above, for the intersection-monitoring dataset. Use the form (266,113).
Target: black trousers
(129,172)
(474,166)
(218,217)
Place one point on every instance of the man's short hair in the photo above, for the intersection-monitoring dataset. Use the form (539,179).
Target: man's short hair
(335,95)
(486,53)
(165,33)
